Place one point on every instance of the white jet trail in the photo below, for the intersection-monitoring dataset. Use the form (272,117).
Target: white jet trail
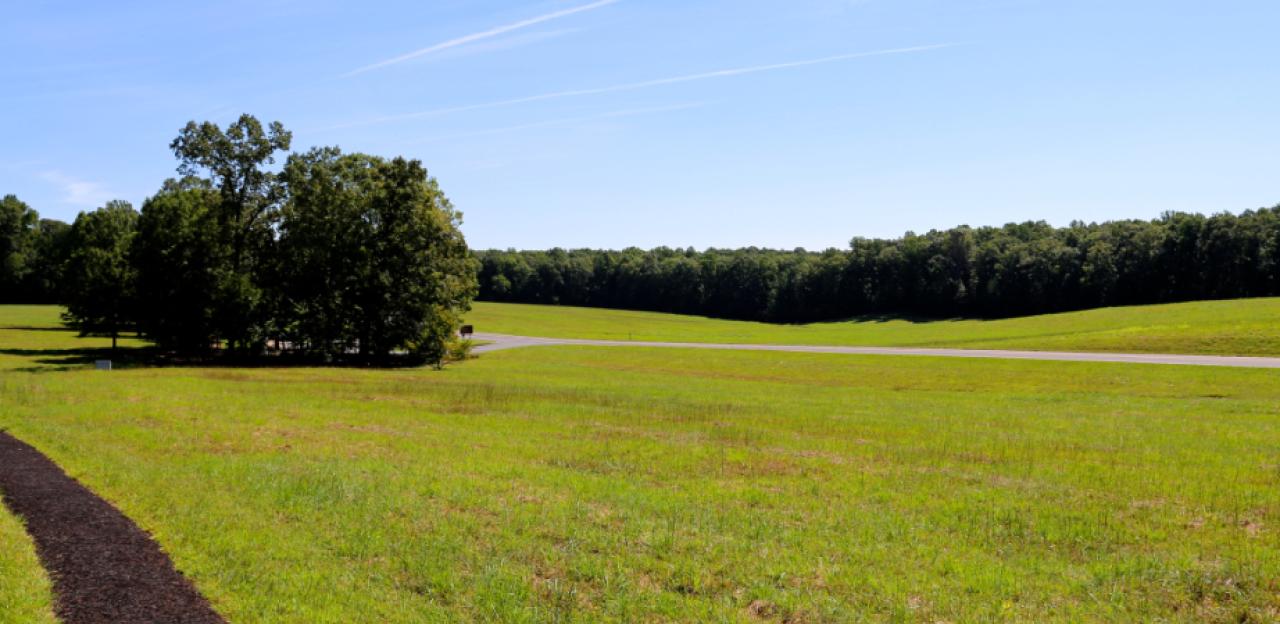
(472,38)
(633,86)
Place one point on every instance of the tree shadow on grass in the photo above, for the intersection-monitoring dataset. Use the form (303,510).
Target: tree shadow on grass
(57,360)
(47,328)
(53,360)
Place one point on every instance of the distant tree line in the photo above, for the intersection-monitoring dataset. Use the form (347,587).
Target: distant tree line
(1017,269)
(336,255)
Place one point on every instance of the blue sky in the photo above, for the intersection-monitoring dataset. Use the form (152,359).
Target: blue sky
(611,123)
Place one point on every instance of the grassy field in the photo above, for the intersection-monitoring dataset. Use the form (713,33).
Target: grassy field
(571,484)
(1238,327)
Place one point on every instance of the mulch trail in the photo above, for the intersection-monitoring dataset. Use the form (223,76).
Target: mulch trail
(104,568)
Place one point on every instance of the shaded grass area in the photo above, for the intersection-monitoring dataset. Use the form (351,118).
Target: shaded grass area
(32,338)
(574,484)
(1236,327)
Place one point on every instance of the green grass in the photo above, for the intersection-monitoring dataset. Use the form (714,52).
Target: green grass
(572,484)
(1237,327)
(24,588)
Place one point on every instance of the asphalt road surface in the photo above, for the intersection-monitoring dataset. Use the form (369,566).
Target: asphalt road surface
(502,341)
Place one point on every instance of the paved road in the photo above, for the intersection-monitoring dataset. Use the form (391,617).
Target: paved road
(503,341)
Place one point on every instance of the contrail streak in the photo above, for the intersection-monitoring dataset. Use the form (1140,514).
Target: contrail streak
(472,38)
(648,84)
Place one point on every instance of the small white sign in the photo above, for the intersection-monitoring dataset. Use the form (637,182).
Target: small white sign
(102,364)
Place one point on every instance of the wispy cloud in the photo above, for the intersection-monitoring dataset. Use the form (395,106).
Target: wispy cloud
(78,192)
(474,37)
(648,84)
(506,43)
(629,112)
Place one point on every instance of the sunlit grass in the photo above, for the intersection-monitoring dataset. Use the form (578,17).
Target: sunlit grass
(1237,327)
(589,485)
(31,337)
(24,588)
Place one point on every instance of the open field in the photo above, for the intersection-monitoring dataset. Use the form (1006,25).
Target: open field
(1237,327)
(581,484)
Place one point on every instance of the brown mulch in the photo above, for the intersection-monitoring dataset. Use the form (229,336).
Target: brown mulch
(104,568)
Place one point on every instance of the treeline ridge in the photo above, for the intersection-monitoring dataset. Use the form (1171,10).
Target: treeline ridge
(1016,269)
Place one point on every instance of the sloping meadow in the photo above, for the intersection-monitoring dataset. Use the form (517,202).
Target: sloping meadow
(581,484)
(1233,327)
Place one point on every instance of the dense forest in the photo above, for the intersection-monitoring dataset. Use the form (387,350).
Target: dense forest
(1017,269)
(340,256)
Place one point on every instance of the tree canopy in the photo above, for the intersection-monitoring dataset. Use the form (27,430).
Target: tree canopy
(370,256)
(17,241)
(233,162)
(182,266)
(98,275)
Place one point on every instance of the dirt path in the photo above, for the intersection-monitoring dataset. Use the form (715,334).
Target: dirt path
(104,568)
(503,341)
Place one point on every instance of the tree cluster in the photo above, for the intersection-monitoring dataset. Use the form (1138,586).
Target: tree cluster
(32,251)
(1017,269)
(336,255)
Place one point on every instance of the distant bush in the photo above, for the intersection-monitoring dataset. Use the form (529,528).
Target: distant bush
(460,350)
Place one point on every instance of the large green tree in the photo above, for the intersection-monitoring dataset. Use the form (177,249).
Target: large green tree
(180,258)
(99,277)
(17,235)
(371,256)
(235,162)
(49,250)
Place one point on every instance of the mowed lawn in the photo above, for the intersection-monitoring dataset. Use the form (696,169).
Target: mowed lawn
(1235,327)
(577,484)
